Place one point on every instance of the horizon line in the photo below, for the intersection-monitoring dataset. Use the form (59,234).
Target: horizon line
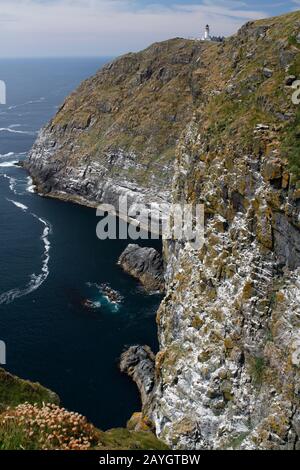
(58,57)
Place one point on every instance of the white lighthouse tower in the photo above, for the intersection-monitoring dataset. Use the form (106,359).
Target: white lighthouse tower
(206,36)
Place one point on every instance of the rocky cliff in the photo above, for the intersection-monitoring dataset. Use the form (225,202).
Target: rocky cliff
(227,374)
(229,327)
(116,135)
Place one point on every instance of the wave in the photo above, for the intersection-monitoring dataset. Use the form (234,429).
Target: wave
(11,182)
(19,186)
(35,280)
(8,164)
(30,188)
(18,204)
(40,100)
(6,155)
(108,297)
(14,131)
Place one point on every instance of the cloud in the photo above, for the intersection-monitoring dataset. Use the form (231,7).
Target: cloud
(110,27)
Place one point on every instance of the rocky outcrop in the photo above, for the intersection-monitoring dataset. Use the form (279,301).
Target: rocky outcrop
(138,363)
(116,135)
(145,264)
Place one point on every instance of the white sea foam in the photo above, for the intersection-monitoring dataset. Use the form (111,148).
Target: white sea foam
(19,186)
(26,103)
(14,131)
(35,280)
(6,155)
(114,305)
(18,204)
(30,186)
(11,182)
(8,164)
(40,100)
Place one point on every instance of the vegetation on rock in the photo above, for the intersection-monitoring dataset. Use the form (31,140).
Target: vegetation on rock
(30,419)
(14,391)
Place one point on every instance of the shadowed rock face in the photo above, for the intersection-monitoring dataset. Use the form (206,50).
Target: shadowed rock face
(145,264)
(286,241)
(138,362)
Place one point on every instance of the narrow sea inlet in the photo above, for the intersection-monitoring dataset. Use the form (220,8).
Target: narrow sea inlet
(58,324)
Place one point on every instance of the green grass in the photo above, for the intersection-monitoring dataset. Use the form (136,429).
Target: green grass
(291,147)
(14,391)
(294,69)
(293,41)
(15,437)
(236,442)
(14,434)
(123,439)
(257,369)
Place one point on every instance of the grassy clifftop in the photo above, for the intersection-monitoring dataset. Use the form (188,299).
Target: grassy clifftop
(247,82)
(14,391)
(31,419)
(120,128)
(140,102)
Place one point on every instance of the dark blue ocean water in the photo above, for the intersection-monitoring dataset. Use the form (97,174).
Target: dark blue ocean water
(51,261)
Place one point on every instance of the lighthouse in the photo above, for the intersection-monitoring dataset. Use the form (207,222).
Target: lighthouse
(206,36)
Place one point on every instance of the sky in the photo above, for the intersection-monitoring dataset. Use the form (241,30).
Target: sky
(61,28)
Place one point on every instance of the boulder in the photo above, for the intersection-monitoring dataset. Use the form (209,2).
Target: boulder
(267,72)
(289,80)
(144,264)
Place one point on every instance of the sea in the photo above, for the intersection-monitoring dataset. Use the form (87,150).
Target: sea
(59,325)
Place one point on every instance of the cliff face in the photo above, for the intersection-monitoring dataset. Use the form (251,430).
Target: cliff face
(227,374)
(116,135)
(229,326)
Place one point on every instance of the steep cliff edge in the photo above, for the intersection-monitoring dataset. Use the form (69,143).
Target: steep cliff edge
(229,326)
(116,135)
